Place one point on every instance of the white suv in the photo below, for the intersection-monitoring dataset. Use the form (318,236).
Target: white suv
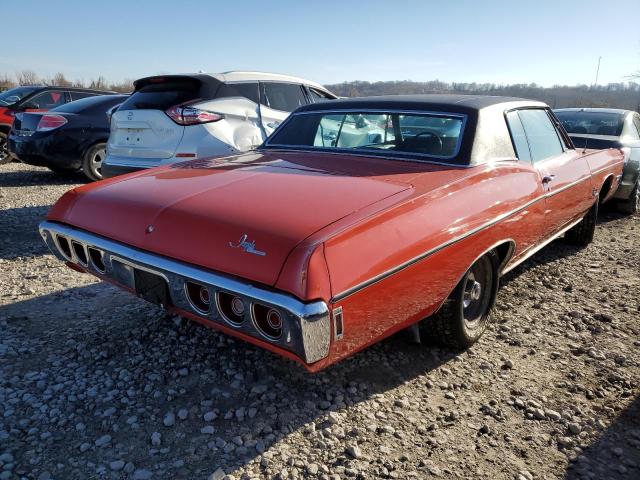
(173,118)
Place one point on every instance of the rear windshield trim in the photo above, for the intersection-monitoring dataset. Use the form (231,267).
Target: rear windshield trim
(370,152)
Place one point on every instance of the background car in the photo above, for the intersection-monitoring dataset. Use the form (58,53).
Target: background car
(35,98)
(66,138)
(600,128)
(184,117)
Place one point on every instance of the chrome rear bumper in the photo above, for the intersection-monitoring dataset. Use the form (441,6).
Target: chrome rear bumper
(306,329)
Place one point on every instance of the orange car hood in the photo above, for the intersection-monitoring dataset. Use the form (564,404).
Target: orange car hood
(199,211)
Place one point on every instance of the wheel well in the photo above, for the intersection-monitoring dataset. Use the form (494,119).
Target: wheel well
(605,189)
(505,251)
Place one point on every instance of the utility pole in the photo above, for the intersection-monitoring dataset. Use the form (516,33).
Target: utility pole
(597,72)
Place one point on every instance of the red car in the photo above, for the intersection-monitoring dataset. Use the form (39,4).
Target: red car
(354,220)
(34,98)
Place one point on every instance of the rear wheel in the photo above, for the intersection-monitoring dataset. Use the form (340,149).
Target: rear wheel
(632,204)
(4,151)
(582,234)
(464,316)
(92,161)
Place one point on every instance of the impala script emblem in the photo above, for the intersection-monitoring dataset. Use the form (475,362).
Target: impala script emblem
(247,245)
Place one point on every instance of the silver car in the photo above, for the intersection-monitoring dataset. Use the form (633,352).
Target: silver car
(600,128)
(171,118)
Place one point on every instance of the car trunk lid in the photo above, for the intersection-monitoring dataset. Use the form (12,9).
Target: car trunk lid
(208,215)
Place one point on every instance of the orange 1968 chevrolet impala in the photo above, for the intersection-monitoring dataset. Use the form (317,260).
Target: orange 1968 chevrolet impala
(355,219)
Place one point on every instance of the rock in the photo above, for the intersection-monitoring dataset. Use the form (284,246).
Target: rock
(183,413)
(142,474)
(103,440)
(169,420)
(574,428)
(312,468)
(218,475)
(156,438)
(552,415)
(210,416)
(208,430)
(116,465)
(354,451)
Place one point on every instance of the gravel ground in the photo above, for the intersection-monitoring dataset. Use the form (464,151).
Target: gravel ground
(95,383)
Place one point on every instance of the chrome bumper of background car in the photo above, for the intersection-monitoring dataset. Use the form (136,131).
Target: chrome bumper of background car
(306,327)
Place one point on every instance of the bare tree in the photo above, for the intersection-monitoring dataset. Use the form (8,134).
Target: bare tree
(6,82)
(99,83)
(27,77)
(60,80)
(126,86)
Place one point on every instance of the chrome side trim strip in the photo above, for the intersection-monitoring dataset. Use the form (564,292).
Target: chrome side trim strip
(306,326)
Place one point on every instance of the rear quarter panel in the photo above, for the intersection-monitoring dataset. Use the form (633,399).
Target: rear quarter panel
(398,267)
(604,165)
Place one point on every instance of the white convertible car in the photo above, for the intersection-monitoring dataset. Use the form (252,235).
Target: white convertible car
(172,118)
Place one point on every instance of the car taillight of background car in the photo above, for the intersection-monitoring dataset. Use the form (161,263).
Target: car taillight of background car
(50,122)
(186,115)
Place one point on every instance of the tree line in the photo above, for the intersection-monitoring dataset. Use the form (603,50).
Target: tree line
(29,77)
(613,95)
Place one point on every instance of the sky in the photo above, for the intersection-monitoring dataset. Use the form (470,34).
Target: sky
(329,41)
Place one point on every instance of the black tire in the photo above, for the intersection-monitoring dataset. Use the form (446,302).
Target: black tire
(63,171)
(464,316)
(92,161)
(582,234)
(632,205)
(4,151)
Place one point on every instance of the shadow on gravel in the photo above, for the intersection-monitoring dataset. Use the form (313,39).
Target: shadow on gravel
(30,178)
(616,453)
(19,236)
(116,352)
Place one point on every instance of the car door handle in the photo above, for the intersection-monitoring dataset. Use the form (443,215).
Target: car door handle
(548,179)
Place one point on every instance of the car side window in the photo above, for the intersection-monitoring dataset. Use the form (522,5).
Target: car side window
(78,95)
(636,123)
(317,96)
(542,135)
(48,100)
(283,96)
(518,136)
(247,90)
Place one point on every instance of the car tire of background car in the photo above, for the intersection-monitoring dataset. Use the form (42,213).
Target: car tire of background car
(582,234)
(4,152)
(464,316)
(92,161)
(632,205)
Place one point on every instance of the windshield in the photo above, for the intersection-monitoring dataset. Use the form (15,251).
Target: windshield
(14,95)
(387,133)
(594,123)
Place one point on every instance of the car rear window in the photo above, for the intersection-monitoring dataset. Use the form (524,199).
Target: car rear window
(84,104)
(163,94)
(594,143)
(396,134)
(593,123)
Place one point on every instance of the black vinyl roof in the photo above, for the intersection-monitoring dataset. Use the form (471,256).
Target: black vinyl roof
(436,102)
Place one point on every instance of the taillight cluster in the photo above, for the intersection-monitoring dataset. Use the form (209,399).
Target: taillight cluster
(186,115)
(50,122)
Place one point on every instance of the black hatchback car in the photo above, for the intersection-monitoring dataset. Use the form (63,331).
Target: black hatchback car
(67,138)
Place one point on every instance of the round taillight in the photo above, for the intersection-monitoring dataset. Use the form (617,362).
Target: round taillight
(237,305)
(198,296)
(268,321)
(231,308)
(274,320)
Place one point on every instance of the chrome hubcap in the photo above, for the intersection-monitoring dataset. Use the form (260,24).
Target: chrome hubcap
(472,291)
(96,162)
